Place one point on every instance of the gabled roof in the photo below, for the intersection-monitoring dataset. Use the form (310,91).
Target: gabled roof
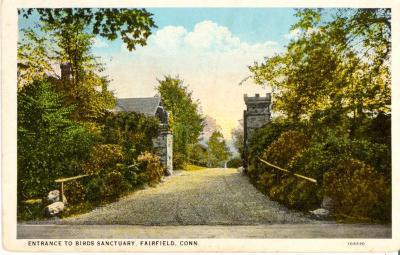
(145,105)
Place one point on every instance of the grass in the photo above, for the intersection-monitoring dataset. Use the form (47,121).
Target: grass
(190,167)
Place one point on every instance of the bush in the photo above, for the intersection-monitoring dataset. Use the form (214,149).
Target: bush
(115,184)
(234,163)
(179,160)
(75,192)
(279,186)
(50,145)
(356,173)
(358,190)
(102,156)
(132,131)
(280,152)
(152,168)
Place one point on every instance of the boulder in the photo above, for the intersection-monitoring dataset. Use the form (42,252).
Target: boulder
(54,196)
(54,209)
(321,213)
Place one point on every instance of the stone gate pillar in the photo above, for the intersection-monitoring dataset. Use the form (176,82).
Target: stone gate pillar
(164,144)
(256,115)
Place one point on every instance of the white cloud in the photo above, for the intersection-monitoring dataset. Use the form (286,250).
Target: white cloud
(210,60)
(209,35)
(99,43)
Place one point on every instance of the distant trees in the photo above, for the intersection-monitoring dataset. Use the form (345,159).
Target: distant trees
(238,137)
(217,151)
(185,119)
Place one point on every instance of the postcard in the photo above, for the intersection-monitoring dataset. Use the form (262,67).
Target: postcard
(236,126)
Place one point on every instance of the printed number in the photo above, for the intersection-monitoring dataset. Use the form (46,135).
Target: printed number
(356,243)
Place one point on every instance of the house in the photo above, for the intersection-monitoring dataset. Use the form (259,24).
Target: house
(152,106)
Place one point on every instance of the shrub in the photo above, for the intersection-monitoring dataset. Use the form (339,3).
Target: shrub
(287,146)
(358,190)
(277,185)
(96,190)
(179,160)
(102,156)
(132,131)
(280,152)
(50,145)
(115,184)
(75,192)
(152,168)
(234,163)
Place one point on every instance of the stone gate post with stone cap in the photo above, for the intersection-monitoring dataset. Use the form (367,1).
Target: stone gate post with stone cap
(256,115)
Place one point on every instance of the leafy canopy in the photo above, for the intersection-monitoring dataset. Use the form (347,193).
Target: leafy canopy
(338,65)
(185,119)
(217,150)
(132,25)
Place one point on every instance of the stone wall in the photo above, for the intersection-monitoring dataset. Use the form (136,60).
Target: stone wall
(163,143)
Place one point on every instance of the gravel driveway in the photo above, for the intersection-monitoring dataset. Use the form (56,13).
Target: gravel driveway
(215,196)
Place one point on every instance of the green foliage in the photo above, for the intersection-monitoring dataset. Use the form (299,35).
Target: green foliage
(333,85)
(319,158)
(75,192)
(280,186)
(261,139)
(359,191)
(337,70)
(133,131)
(185,119)
(132,25)
(33,58)
(102,156)
(217,151)
(234,162)
(285,148)
(190,167)
(238,138)
(198,154)
(50,145)
(152,167)
(64,125)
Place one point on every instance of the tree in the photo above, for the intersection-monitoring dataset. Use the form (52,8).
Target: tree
(72,32)
(34,60)
(238,137)
(185,119)
(132,25)
(335,68)
(198,154)
(50,145)
(217,150)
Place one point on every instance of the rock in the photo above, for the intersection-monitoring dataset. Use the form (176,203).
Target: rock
(327,203)
(54,209)
(320,213)
(54,196)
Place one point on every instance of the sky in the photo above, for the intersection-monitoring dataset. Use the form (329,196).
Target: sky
(210,49)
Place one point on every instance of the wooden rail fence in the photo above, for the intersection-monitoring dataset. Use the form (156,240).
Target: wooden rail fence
(287,171)
(62,180)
